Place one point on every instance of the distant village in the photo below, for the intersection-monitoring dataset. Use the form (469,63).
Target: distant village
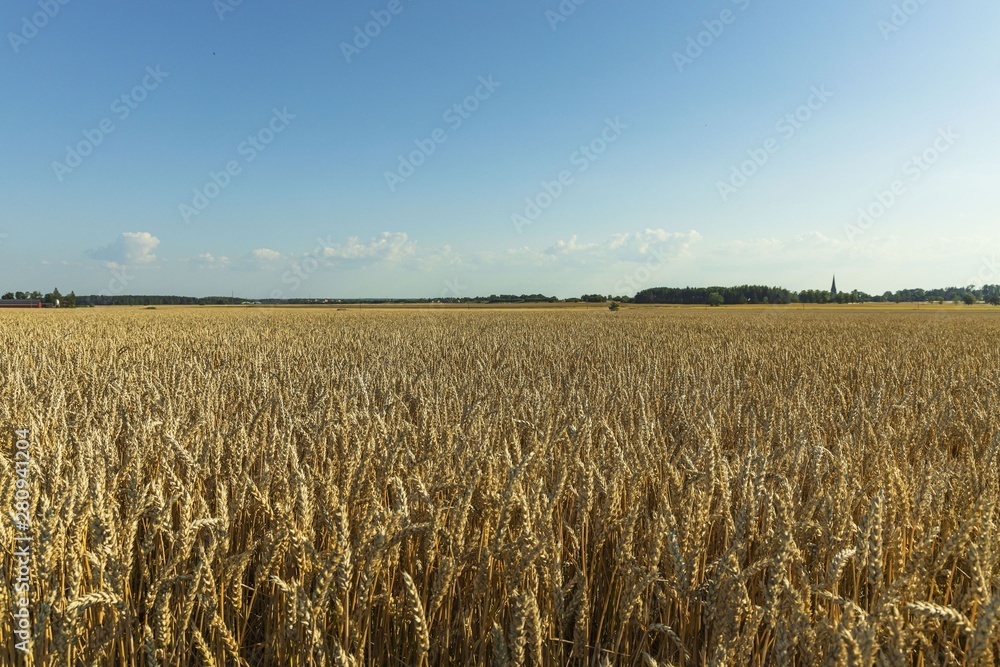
(53,299)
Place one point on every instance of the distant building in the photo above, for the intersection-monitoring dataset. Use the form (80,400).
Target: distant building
(20,303)
(833,288)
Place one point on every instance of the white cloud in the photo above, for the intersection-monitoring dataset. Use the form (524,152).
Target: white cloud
(260,259)
(446,256)
(265,254)
(131,248)
(386,247)
(207,260)
(629,248)
(619,263)
(396,250)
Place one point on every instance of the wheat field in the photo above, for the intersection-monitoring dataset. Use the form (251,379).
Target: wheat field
(504,487)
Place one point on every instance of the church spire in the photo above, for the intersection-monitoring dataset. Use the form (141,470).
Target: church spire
(833,288)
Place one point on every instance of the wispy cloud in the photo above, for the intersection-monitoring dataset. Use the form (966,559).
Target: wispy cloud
(260,259)
(386,247)
(628,247)
(207,260)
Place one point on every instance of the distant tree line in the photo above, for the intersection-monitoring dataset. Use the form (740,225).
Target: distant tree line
(758,294)
(524,298)
(156,300)
(598,298)
(68,300)
(988,293)
(709,296)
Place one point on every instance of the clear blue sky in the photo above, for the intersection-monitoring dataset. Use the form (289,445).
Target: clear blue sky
(317,202)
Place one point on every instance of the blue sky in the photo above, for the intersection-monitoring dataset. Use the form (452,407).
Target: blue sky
(464,148)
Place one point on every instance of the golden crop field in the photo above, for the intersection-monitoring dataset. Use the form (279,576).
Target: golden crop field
(502,487)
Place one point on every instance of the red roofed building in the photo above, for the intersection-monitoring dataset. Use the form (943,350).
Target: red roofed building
(20,303)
